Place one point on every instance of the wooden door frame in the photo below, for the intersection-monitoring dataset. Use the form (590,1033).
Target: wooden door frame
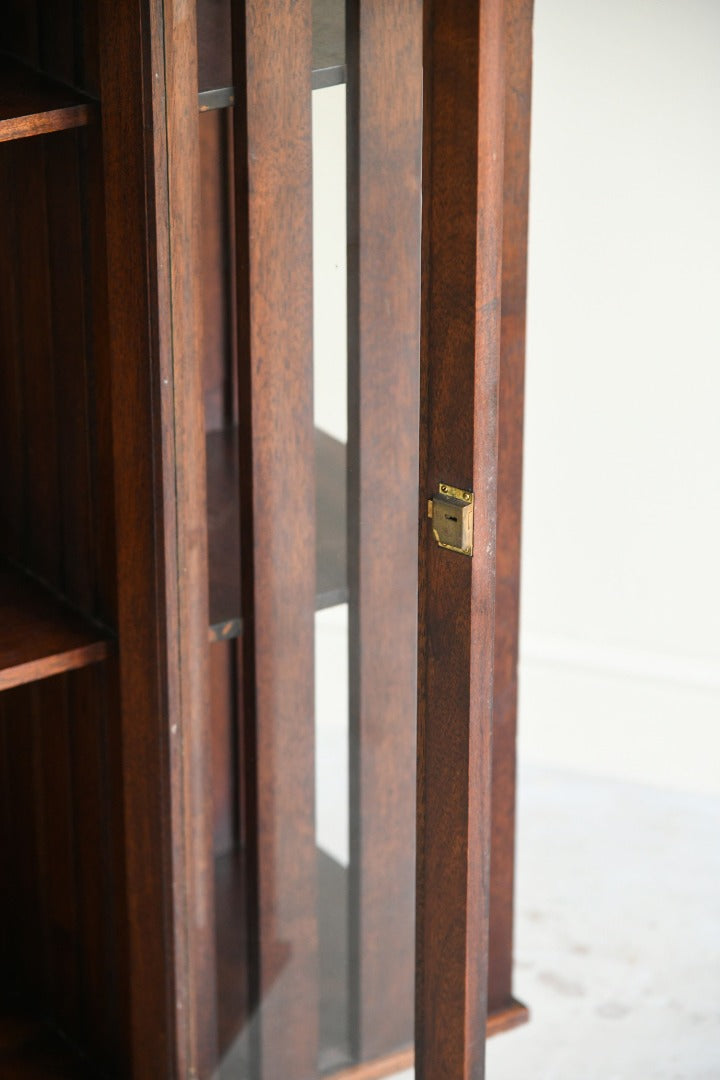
(472,343)
(148,85)
(477,96)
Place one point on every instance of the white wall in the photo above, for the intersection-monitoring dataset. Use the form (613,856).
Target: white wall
(620,650)
(330,413)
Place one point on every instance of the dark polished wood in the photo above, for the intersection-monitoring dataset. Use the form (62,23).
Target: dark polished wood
(132,292)
(273,187)
(190,750)
(462,249)
(518,81)
(33,104)
(128,800)
(152,192)
(384,164)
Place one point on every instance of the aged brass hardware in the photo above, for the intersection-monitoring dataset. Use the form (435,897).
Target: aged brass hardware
(451,513)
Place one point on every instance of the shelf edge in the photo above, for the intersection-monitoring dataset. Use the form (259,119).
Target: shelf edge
(47,122)
(45,667)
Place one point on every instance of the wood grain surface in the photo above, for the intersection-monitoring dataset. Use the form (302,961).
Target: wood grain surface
(462,249)
(384,52)
(518,79)
(152,198)
(273,185)
(33,104)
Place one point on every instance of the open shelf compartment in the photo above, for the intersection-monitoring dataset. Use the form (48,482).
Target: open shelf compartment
(32,104)
(39,635)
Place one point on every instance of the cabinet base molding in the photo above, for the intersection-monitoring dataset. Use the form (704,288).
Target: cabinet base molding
(508,1017)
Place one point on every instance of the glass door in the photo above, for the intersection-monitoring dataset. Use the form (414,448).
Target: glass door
(311,147)
(325,326)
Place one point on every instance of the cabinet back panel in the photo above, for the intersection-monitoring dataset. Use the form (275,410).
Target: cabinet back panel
(56,36)
(57,482)
(59,825)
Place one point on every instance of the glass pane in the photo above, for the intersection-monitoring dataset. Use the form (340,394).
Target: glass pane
(315,939)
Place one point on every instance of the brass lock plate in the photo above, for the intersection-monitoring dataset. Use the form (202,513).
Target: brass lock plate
(451,513)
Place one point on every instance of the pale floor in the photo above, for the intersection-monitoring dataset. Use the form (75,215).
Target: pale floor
(618,933)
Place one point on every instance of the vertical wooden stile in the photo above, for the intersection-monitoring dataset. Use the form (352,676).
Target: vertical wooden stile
(148,74)
(518,79)
(384,64)
(462,249)
(272,58)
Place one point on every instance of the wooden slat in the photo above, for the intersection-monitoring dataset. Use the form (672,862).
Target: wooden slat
(184,481)
(216,88)
(224,528)
(149,84)
(384,162)
(39,635)
(32,104)
(462,220)
(273,182)
(518,68)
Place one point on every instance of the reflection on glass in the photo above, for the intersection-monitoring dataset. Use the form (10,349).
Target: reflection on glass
(331,622)
(331,933)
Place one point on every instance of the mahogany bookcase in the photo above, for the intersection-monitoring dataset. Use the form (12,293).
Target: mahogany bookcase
(170,521)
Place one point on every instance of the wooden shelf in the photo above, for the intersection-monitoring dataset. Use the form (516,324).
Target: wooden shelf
(224,529)
(39,635)
(31,104)
(231,938)
(215,82)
